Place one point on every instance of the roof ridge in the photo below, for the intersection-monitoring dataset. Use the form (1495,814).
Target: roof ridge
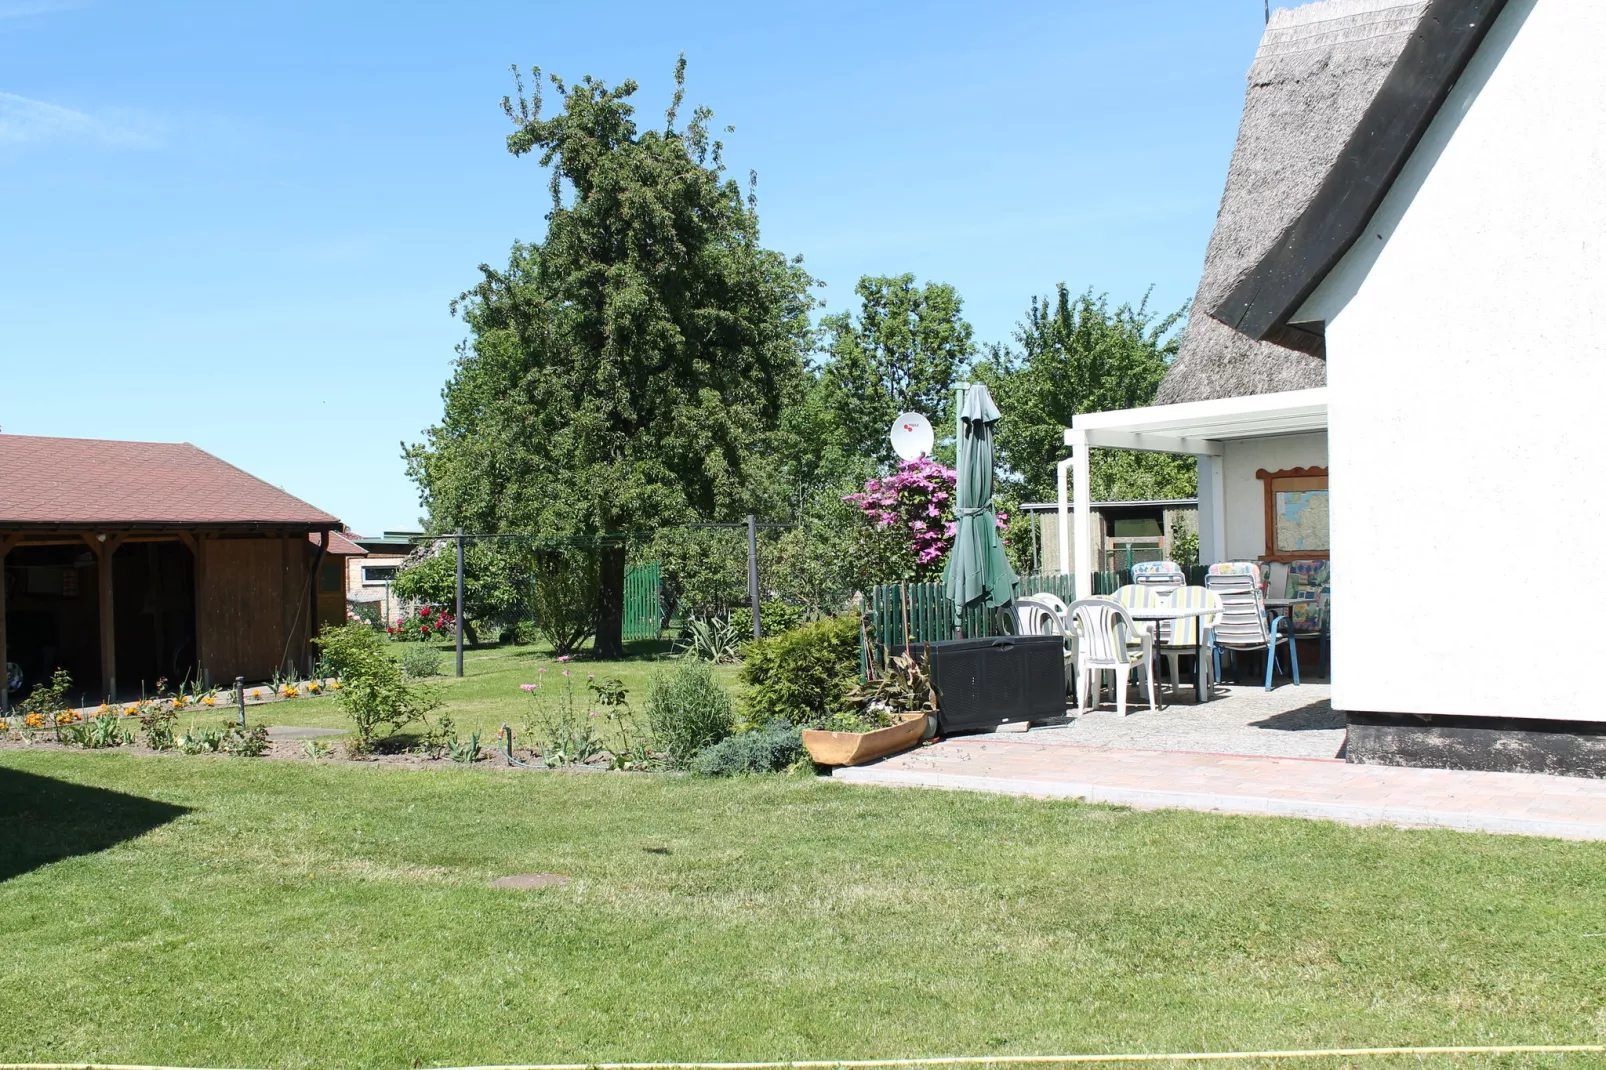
(1314,14)
(1325,42)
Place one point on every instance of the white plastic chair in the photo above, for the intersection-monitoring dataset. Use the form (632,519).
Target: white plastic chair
(1183,641)
(1108,641)
(1165,575)
(1054,602)
(1035,616)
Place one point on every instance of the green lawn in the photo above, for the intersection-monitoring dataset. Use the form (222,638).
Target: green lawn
(488,693)
(235,912)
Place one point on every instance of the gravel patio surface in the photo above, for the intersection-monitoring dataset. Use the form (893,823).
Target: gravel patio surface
(1286,722)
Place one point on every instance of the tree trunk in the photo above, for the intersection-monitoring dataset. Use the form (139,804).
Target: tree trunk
(611,603)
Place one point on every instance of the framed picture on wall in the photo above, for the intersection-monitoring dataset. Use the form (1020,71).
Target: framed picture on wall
(1296,514)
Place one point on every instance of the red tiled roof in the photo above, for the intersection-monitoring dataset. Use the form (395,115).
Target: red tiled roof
(91,481)
(340,544)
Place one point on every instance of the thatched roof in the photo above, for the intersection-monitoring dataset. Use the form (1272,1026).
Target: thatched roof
(1319,67)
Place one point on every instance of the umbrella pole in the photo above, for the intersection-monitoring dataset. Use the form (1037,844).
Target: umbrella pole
(959,481)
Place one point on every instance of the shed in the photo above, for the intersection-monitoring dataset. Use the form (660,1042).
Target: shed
(127,562)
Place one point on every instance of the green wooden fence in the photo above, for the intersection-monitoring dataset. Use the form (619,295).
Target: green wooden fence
(644,605)
(930,614)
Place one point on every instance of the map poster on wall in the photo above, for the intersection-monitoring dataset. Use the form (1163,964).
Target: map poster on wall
(1296,514)
(1301,520)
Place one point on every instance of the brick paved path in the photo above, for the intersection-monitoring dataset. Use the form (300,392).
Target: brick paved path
(1531,804)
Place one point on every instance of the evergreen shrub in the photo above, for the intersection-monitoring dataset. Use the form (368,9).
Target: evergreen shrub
(802,676)
(764,750)
(687,710)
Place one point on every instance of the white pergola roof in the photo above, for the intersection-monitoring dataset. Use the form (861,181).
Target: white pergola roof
(1199,427)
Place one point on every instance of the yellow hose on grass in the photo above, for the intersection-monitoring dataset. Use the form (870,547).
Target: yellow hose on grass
(958,1060)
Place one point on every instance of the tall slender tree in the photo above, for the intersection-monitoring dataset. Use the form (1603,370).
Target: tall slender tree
(903,352)
(624,372)
(1076,355)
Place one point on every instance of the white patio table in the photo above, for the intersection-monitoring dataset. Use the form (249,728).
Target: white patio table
(1200,689)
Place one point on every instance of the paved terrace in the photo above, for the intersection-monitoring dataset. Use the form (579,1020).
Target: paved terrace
(1248,752)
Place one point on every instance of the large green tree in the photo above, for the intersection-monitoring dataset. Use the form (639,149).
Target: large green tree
(625,372)
(1076,355)
(904,351)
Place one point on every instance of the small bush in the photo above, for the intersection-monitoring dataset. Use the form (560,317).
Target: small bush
(765,750)
(201,741)
(775,615)
(373,691)
(802,676)
(156,721)
(521,633)
(687,710)
(563,597)
(46,700)
(464,753)
(103,730)
(419,660)
(712,639)
(245,742)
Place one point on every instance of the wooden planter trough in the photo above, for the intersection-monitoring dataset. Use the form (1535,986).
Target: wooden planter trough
(856,748)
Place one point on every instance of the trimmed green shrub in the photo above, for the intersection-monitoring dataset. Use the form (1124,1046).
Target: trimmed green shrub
(419,660)
(687,710)
(765,750)
(802,676)
(373,690)
(776,616)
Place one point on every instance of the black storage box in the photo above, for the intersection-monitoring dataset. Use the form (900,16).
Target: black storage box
(984,683)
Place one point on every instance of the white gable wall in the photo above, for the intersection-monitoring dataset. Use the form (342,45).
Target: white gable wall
(1244,493)
(1466,341)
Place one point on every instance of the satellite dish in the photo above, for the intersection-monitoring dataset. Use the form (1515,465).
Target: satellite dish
(911,436)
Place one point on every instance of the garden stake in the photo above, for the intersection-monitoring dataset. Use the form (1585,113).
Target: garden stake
(239,693)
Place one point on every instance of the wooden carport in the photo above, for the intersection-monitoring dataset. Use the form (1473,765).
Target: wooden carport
(198,567)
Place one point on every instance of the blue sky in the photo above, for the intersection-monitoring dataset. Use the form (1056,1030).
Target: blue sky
(240,225)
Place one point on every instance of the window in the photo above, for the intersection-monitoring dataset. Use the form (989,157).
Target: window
(375,574)
(1296,514)
(1136,527)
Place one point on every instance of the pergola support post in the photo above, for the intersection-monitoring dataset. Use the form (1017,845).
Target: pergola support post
(1212,511)
(1082,525)
(1062,480)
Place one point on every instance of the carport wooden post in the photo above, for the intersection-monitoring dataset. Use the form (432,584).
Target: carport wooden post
(6,543)
(105,546)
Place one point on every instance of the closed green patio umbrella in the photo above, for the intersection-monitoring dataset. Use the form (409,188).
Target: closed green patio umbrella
(978,571)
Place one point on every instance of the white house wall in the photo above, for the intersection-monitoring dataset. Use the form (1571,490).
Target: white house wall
(1245,495)
(1466,343)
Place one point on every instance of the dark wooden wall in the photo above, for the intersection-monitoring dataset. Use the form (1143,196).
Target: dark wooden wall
(331,592)
(254,606)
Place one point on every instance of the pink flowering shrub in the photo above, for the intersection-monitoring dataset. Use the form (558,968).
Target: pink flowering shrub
(918,502)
